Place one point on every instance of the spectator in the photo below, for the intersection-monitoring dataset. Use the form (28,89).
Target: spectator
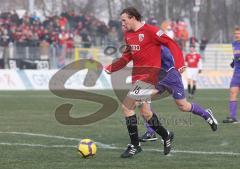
(44,46)
(77,40)
(102,31)
(86,42)
(86,39)
(69,47)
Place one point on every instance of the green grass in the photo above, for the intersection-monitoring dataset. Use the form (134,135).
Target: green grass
(34,112)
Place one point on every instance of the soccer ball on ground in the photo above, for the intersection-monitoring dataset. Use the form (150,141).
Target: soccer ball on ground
(87,148)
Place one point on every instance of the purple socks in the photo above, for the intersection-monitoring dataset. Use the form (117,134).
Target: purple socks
(198,110)
(233,109)
(149,129)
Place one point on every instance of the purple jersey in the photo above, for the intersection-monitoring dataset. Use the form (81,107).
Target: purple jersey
(167,59)
(172,80)
(236,52)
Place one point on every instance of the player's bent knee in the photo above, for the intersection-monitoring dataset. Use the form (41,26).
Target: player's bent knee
(233,93)
(126,111)
(184,107)
(146,115)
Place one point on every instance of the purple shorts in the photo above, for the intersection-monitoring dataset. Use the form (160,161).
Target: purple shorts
(172,82)
(235,82)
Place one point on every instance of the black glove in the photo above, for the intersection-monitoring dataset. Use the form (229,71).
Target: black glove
(232,64)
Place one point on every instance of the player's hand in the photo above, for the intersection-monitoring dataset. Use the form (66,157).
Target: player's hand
(200,71)
(182,69)
(232,64)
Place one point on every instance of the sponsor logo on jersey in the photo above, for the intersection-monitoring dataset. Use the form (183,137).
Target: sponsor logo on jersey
(141,37)
(135,47)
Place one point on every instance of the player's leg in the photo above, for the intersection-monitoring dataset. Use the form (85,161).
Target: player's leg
(193,87)
(190,81)
(128,107)
(198,110)
(155,124)
(233,102)
(232,106)
(149,135)
(174,82)
(152,120)
(189,87)
(194,80)
(234,90)
(143,92)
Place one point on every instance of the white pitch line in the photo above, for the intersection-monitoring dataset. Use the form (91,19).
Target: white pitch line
(37,145)
(101,145)
(207,152)
(41,135)
(56,137)
(118,148)
(198,152)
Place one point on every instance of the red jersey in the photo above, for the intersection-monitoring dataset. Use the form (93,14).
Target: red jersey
(145,49)
(193,60)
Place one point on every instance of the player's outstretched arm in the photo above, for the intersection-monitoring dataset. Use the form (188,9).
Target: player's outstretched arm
(118,64)
(175,50)
(162,39)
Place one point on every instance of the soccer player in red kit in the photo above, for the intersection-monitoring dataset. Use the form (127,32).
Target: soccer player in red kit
(143,48)
(194,67)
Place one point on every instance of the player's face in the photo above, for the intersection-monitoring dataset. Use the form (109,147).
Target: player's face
(124,29)
(237,35)
(192,49)
(127,22)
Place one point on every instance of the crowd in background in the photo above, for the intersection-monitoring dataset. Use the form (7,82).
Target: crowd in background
(70,29)
(75,30)
(24,36)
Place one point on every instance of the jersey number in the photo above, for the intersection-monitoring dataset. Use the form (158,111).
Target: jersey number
(137,89)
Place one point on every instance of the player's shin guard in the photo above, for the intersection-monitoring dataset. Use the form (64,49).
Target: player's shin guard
(199,111)
(131,123)
(157,127)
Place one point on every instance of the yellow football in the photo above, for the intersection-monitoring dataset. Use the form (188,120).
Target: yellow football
(87,148)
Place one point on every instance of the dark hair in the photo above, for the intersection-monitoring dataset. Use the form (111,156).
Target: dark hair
(237,28)
(132,12)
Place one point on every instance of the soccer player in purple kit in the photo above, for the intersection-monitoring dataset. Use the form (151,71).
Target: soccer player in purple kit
(172,82)
(235,82)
